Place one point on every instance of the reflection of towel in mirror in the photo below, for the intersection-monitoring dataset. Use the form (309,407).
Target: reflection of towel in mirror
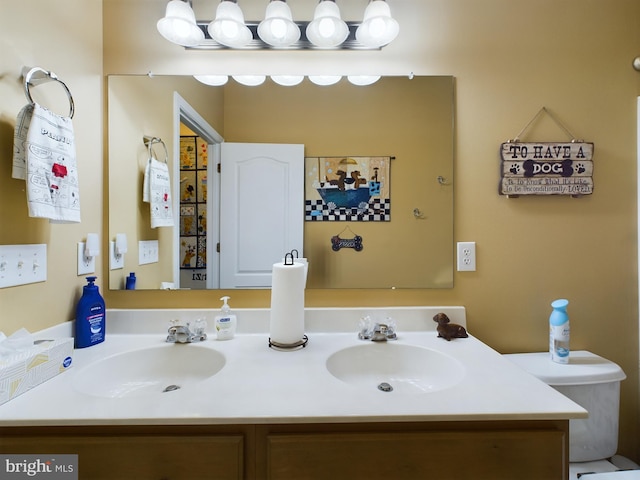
(157,191)
(45,156)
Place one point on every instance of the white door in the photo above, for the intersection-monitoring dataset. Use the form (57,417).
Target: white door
(262,210)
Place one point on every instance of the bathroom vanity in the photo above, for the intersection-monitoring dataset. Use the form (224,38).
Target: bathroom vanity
(240,409)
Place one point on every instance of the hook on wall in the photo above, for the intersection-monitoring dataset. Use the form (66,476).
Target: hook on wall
(442,180)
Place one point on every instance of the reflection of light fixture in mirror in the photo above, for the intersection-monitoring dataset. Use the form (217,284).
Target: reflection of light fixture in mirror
(228,28)
(212,80)
(250,80)
(378,28)
(179,24)
(327,29)
(324,80)
(277,29)
(363,80)
(287,80)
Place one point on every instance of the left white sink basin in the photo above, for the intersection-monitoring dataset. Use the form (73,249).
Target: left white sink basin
(149,371)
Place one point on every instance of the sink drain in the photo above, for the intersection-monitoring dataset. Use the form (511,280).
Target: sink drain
(171,388)
(385,387)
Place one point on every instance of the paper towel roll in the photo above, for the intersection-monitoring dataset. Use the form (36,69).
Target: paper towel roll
(286,325)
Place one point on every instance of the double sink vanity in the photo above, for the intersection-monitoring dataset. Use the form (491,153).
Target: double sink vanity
(417,406)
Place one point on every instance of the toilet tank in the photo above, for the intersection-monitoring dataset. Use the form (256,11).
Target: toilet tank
(592,382)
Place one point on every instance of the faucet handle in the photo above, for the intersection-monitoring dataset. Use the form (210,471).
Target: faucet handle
(365,327)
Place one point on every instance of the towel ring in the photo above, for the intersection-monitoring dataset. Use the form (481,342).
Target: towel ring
(38,75)
(149,141)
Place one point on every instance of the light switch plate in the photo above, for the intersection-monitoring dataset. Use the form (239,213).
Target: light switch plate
(147,251)
(22,264)
(85,266)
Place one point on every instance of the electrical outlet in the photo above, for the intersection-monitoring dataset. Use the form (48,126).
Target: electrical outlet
(115,261)
(85,265)
(466,256)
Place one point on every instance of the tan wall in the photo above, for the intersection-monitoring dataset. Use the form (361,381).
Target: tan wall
(50,35)
(509,59)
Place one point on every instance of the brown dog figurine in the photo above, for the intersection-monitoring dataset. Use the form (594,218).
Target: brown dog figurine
(448,330)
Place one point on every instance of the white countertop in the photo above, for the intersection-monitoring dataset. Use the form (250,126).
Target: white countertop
(261,385)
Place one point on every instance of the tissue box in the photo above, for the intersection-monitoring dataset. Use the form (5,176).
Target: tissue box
(21,371)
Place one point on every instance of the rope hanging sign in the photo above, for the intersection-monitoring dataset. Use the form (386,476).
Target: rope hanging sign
(546,168)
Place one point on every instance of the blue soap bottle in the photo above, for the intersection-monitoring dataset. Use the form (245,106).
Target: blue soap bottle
(90,316)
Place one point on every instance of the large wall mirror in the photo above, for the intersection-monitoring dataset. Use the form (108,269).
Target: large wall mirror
(408,120)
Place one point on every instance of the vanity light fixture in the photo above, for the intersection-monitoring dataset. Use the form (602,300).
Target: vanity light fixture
(378,27)
(179,24)
(277,29)
(228,28)
(327,29)
(212,80)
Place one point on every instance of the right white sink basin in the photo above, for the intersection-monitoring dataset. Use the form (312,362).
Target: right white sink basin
(395,368)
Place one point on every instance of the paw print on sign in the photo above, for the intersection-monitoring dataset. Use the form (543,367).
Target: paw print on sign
(580,168)
(515,169)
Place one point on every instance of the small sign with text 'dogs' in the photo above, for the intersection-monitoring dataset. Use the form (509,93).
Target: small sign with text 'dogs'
(546,168)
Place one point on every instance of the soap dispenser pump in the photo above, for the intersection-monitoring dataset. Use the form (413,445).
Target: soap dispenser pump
(225,322)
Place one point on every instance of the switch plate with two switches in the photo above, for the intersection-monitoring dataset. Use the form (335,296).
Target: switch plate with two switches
(466,256)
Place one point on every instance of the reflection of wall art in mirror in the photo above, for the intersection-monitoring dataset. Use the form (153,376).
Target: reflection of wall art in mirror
(193,203)
(347,189)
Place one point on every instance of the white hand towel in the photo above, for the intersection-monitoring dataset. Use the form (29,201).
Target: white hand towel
(51,172)
(157,191)
(23,120)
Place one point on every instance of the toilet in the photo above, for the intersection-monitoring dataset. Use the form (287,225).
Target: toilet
(592,382)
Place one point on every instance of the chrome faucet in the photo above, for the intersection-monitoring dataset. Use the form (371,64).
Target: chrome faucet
(381,332)
(183,334)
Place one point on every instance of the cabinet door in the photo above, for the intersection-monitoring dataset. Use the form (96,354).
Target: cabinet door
(142,457)
(494,455)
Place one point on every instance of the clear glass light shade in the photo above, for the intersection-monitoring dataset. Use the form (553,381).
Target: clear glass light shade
(179,24)
(363,80)
(287,80)
(324,80)
(213,80)
(378,28)
(250,80)
(228,28)
(278,28)
(327,29)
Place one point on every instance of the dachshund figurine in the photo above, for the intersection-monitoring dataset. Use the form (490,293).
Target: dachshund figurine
(448,330)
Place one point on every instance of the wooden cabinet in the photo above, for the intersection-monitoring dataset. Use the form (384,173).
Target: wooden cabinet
(439,450)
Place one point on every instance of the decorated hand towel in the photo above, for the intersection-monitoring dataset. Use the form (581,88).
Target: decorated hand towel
(157,191)
(51,172)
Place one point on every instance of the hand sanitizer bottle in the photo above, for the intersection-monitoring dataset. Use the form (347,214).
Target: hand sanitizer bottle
(225,322)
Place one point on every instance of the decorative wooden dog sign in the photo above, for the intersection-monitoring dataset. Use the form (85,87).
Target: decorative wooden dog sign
(337,243)
(546,168)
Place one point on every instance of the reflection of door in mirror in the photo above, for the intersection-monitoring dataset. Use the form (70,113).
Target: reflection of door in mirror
(262,210)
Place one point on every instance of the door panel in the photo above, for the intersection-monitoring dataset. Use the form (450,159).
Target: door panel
(262,210)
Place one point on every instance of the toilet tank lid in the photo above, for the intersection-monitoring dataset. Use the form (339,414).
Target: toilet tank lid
(583,368)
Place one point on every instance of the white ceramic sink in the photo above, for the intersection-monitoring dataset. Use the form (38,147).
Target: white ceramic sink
(405,368)
(149,371)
